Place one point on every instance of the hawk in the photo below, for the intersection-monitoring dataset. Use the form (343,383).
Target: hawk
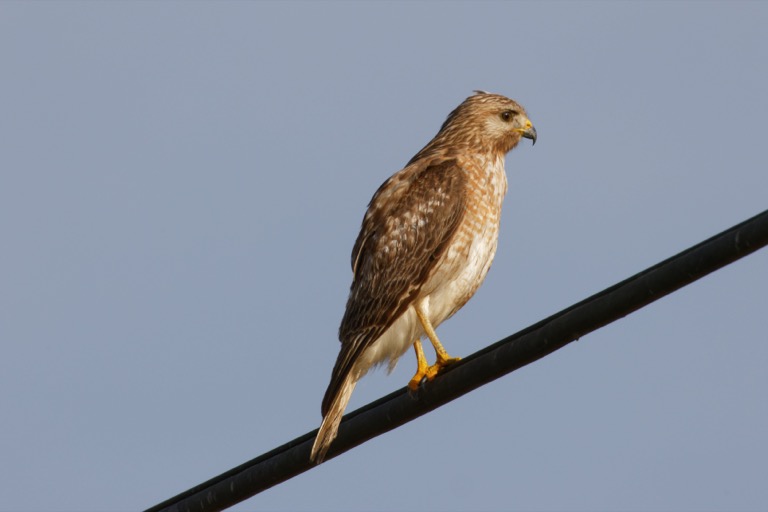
(425,246)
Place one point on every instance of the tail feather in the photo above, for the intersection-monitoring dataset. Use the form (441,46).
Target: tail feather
(329,428)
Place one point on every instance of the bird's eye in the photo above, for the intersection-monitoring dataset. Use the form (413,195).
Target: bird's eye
(507,115)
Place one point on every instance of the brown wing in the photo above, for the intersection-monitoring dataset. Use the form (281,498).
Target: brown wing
(408,226)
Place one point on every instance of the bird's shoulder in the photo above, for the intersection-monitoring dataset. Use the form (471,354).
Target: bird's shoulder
(413,200)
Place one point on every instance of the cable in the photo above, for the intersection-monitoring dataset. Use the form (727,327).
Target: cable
(490,363)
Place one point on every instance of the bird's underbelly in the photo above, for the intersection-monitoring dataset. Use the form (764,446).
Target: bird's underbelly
(458,275)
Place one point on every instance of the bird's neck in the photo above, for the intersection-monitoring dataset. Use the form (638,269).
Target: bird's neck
(447,148)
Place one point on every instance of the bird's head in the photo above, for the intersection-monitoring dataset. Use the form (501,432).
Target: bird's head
(489,120)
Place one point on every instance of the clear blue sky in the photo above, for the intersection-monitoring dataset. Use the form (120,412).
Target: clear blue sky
(182,184)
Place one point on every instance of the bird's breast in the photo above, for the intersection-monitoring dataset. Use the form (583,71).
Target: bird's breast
(465,263)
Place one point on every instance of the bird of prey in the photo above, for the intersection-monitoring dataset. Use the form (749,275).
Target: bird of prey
(425,246)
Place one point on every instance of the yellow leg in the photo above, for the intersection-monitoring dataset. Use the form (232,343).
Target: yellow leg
(421,366)
(443,359)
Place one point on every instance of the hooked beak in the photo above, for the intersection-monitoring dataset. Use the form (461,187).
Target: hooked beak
(528,131)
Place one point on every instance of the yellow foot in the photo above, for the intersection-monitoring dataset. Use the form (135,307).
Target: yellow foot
(441,363)
(415,382)
(430,372)
(421,366)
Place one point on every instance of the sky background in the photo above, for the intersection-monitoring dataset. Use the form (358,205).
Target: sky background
(181,185)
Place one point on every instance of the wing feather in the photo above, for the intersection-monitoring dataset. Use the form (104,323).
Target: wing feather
(409,224)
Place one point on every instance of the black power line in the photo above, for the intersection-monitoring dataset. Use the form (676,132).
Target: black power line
(492,362)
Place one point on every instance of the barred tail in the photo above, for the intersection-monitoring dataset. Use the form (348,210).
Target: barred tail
(330,425)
